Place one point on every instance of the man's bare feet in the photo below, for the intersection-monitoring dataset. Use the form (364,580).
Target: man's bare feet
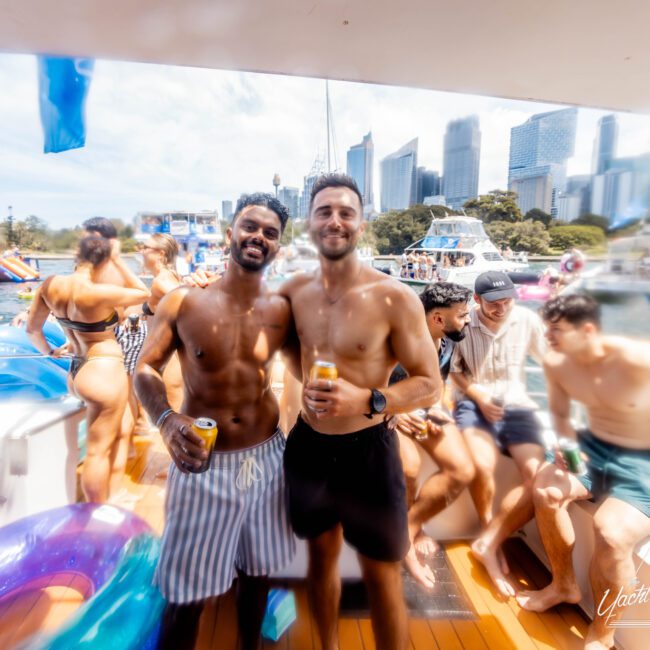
(489,559)
(421,572)
(551,595)
(593,641)
(425,546)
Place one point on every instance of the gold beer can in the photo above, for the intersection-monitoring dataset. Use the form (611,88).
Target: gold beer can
(423,433)
(323,370)
(205,428)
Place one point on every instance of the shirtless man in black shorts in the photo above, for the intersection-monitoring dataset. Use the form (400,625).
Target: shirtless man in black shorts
(342,463)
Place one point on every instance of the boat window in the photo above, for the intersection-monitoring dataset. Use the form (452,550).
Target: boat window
(205,223)
(492,256)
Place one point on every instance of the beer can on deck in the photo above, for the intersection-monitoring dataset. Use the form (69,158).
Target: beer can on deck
(206,428)
(571,453)
(323,370)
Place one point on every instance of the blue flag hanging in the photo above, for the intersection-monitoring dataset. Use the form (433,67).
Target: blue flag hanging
(63,87)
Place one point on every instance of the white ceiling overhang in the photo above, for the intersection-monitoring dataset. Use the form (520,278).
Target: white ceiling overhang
(583,52)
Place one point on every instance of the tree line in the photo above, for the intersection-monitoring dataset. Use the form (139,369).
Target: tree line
(34,234)
(536,231)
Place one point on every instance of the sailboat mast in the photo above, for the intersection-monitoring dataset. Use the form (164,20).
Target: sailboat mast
(327,112)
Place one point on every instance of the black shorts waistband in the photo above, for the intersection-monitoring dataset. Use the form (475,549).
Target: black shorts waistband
(355,436)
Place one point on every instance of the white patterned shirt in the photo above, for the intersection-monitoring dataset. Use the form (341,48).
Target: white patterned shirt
(495,362)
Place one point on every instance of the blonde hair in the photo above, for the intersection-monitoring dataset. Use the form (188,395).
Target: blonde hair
(169,246)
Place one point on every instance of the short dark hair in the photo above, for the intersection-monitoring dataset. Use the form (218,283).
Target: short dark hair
(94,249)
(334,180)
(264,200)
(102,226)
(444,294)
(576,308)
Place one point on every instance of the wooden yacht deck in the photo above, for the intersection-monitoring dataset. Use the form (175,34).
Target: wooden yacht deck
(500,625)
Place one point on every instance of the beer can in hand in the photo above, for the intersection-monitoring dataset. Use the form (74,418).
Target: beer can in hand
(205,428)
(323,370)
(423,433)
(570,451)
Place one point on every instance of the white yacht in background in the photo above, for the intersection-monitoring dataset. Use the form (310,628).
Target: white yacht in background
(626,272)
(464,243)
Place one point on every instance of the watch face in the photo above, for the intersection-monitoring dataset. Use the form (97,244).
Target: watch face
(378,401)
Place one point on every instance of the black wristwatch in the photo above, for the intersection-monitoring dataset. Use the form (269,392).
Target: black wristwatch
(377,403)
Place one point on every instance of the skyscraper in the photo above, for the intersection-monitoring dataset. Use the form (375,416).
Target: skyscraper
(399,178)
(360,163)
(226,210)
(290,198)
(605,144)
(428,184)
(461,160)
(539,149)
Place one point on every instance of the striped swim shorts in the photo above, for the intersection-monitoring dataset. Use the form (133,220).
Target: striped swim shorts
(234,516)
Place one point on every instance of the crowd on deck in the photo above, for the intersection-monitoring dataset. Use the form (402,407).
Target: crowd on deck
(348,467)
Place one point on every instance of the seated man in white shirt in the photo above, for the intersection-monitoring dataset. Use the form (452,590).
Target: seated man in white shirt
(495,413)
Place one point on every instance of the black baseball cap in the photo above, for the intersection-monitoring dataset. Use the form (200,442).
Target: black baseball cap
(494,285)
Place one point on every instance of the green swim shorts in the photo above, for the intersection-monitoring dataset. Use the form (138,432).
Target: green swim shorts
(615,471)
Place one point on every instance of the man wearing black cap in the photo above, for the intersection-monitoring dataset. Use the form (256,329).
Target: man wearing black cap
(495,412)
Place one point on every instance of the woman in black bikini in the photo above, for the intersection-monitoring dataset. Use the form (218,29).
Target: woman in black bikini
(86,310)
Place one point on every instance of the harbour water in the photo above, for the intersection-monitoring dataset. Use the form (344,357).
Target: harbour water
(631,318)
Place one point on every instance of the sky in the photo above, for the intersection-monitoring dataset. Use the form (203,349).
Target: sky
(167,138)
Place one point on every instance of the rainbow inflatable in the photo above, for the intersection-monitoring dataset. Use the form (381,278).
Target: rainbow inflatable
(13,269)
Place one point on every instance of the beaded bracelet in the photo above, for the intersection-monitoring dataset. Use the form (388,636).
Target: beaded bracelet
(162,417)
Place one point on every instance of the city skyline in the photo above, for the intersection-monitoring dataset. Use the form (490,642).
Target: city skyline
(166,138)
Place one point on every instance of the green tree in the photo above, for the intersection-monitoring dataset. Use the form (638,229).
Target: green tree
(563,237)
(529,235)
(592,220)
(497,205)
(539,215)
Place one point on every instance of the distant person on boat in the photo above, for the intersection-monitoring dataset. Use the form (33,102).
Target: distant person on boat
(611,377)
(342,462)
(232,519)
(85,308)
(447,310)
(496,414)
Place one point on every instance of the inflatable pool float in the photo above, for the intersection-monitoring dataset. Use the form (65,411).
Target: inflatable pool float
(26,295)
(24,372)
(114,553)
(533,292)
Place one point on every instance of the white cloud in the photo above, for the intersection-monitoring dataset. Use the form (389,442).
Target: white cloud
(162,137)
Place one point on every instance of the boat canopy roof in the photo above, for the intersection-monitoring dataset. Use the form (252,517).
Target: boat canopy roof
(205,33)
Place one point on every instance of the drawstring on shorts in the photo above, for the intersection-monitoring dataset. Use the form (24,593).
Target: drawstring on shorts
(249,472)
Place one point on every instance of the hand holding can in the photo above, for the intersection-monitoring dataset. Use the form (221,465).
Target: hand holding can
(207,430)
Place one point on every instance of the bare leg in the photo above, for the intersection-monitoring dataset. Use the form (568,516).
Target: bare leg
(484,453)
(515,511)
(553,490)
(325,584)
(456,472)
(173,380)
(252,592)
(618,528)
(387,608)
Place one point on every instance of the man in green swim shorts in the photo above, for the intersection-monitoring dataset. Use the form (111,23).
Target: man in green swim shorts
(610,376)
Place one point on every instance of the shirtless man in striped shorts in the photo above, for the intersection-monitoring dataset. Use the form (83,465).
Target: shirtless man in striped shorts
(231,519)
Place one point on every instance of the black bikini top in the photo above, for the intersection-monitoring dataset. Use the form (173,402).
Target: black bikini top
(146,310)
(99,326)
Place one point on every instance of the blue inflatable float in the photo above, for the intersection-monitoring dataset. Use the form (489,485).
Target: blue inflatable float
(112,549)
(25,375)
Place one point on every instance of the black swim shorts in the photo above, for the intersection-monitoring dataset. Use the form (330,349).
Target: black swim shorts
(354,479)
